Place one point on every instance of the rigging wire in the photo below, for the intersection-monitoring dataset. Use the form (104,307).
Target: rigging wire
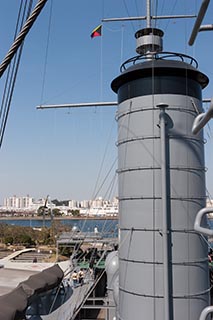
(209,196)
(125,5)
(108,195)
(122,43)
(111,186)
(7,79)
(47,51)
(105,179)
(15,52)
(12,73)
(136,6)
(96,189)
(101,66)
(102,231)
(103,160)
(162,9)
(20,38)
(171,12)
(156,12)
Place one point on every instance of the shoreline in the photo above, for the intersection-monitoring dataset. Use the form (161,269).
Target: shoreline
(59,218)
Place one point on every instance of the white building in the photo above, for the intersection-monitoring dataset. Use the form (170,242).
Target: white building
(97,207)
(27,204)
(85,204)
(73,204)
(18,202)
(97,203)
(209,203)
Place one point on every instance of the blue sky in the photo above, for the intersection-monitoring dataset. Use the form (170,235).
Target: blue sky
(67,153)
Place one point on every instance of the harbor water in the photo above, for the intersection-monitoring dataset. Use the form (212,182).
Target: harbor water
(108,227)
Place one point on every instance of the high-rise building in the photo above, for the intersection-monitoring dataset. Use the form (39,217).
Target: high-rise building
(18,202)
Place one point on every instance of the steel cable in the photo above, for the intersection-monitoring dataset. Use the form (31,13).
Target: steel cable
(20,38)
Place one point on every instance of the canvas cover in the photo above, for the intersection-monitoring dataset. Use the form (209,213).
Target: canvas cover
(14,304)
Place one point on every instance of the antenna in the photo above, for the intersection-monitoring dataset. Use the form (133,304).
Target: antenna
(149,40)
(148,14)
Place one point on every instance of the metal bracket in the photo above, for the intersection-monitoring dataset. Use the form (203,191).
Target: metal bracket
(206,312)
(202,119)
(198,219)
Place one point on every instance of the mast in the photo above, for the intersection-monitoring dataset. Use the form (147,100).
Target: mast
(163,265)
(148,14)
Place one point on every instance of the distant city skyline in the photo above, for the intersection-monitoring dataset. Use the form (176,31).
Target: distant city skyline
(27,205)
(26,197)
(26,201)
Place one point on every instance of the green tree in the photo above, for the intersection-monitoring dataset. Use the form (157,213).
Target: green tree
(75,213)
(8,239)
(43,211)
(56,212)
(26,240)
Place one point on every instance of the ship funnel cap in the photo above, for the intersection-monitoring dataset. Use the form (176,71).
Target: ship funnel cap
(149,40)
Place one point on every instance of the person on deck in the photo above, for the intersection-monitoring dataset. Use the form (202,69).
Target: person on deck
(81,276)
(75,278)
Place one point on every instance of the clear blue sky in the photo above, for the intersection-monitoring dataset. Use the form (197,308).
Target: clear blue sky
(61,152)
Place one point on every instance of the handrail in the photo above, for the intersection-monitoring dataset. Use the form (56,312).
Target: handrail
(198,219)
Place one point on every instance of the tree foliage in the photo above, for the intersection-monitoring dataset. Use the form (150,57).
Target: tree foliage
(43,211)
(27,236)
(17,235)
(60,202)
(75,213)
(56,212)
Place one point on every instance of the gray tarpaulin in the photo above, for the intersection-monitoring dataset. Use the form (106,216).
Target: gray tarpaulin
(14,304)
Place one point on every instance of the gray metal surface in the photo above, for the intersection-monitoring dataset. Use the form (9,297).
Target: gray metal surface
(141,257)
(111,267)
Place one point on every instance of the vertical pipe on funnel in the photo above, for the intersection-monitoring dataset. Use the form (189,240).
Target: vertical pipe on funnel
(164,186)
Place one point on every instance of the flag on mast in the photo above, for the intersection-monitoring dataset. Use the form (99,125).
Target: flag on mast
(96,32)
